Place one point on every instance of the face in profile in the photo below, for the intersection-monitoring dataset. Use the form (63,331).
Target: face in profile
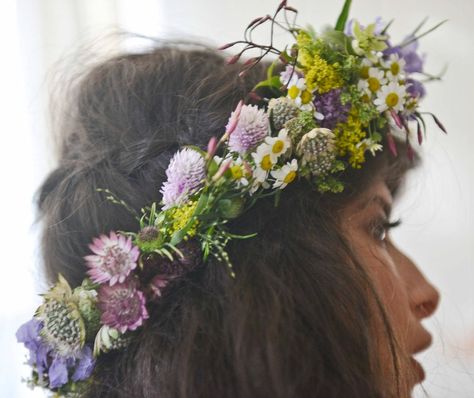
(405,293)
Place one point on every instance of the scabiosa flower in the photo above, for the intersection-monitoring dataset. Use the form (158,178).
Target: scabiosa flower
(122,305)
(251,129)
(281,110)
(330,106)
(63,326)
(317,151)
(185,173)
(115,257)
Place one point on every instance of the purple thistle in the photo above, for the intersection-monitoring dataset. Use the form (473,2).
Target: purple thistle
(113,259)
(122,305)
(251,130)
(185,172)
(330,106)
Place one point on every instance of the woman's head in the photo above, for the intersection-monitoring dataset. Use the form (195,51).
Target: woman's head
(311,310)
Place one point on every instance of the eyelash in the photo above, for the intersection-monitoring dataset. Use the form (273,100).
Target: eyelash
(381,228)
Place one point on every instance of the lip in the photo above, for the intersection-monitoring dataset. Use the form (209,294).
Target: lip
(419,371)
(424,343)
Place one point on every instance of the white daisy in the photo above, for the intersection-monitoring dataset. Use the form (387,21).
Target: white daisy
(264,162)
(395,66)
(365,65)
(301,96)
(376,79)
(370,145)
(280,144)
(391,96)
(285,175)
(239,172)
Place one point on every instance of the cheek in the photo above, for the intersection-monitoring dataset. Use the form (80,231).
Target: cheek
(390,287)
(392,292)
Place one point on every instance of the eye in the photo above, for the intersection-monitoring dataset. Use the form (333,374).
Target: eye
(380,229)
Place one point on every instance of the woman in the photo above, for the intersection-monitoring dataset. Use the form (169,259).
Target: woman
(319,303)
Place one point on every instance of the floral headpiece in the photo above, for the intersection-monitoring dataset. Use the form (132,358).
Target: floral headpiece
(339,96)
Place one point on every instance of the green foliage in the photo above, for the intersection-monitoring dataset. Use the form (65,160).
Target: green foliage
(343,16)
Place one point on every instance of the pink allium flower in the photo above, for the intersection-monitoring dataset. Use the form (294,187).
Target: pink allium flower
(122,306)
(251,130)
(113,259)
(185,173)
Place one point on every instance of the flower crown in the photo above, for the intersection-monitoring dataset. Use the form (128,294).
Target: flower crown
(339,96)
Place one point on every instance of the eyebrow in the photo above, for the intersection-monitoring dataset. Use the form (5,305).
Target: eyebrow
(378,199)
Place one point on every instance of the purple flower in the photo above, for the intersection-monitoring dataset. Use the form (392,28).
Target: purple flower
(330,106)
(289,77)
(115,257)
(251,129)
(414,63)
(122,305)
(185,173)
(85,365)
(415,88)
(58,371)
(29,335)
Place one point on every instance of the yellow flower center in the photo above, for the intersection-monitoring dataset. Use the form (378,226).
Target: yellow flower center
(236,171)
(392,100)
(278,146)
(374,84)
(306,97)
(293,92)
(266,163)
(395,68)
(364,72)
(289,177)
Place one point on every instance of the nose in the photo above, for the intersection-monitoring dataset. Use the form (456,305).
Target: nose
(423,296)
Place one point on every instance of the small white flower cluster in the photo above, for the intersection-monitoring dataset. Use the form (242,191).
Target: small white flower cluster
(266,162)
(383,83)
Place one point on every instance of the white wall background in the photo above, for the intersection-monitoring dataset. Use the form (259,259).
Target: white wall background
(438,227)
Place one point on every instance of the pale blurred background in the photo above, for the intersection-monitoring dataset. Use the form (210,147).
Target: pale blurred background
(437,212)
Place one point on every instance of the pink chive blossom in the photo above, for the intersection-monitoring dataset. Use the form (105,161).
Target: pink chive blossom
(113,259)
(122,306)
(186,173)
(251,129)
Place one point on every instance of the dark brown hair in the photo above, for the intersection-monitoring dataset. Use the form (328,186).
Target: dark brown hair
(297,319)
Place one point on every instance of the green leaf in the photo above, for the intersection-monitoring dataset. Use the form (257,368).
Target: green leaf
(343,16)
(197,149)
(273,82)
